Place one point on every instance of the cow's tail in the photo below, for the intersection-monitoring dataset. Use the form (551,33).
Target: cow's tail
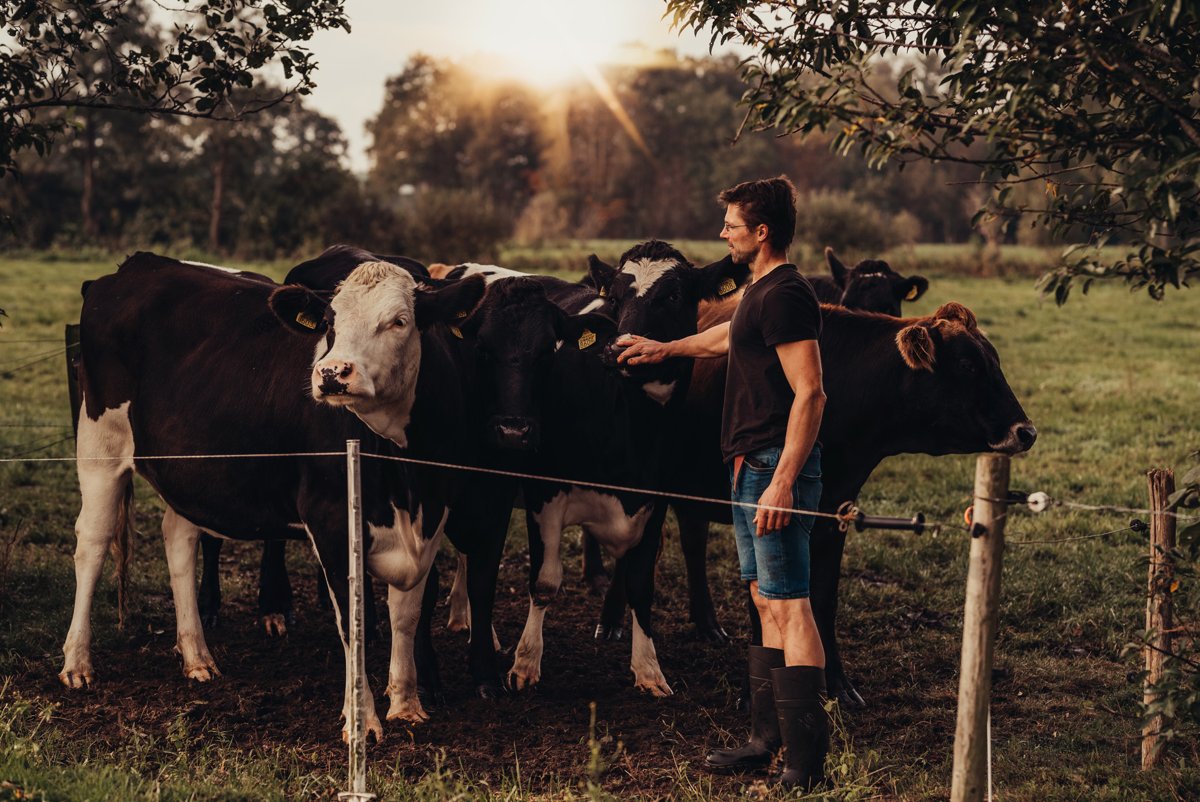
(120,552)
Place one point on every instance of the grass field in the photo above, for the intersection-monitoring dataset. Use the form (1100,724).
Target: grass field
(1110,380)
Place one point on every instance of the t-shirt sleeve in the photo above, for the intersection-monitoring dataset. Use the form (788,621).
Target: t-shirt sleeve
(790,312)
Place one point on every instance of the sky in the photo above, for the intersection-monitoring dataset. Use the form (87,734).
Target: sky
(539,41)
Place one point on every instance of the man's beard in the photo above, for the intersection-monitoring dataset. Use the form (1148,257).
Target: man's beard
(741,257)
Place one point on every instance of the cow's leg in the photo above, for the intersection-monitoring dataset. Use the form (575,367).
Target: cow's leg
(105,446)
(693,542)
(545,578)
(826,547)
(405,612)
(639,582)
(334,564)
(612,613)
(594,573)
(483,569)
(210,581)
(179,538)
(460,605)
(274,588)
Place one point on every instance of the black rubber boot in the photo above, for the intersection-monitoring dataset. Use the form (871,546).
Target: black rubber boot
(803,724)
(764,723)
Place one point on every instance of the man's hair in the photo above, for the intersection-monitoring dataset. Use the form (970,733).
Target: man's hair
(770,202)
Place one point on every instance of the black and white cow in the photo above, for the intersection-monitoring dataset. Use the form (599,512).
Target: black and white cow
(165,343)
(870,286)
(605,424)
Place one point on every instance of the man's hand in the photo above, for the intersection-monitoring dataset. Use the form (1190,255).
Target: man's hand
(776,495)
(640,350)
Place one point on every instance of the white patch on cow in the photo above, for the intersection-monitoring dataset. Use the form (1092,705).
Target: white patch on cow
(647,675)
(645,273)
(490,273)
(180,537)
(659,392)
(371,723)
(558,344)
(399,555)
(592,306)
(460,605)
(527,663)
(213,267)
(404,609)
(377,359)
(104,448)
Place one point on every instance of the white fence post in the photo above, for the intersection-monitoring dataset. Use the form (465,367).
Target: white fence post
(357,663)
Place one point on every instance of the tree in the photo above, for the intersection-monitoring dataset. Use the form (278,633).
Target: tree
(1099,103)
(49,60)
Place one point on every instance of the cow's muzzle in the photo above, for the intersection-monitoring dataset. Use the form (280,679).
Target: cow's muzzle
(514,433)
(333,377)
(1020,438)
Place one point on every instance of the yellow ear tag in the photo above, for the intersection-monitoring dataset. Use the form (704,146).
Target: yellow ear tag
(304,320)
(603,292)
(912,294)
(727,286)
(462,313)
(587,338)
(456,331)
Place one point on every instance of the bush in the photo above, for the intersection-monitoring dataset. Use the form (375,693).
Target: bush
(452,226)
(843,221)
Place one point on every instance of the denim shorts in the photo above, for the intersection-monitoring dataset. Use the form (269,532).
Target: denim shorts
(778,560)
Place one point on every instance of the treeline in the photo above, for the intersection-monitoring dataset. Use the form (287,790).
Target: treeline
(459,164)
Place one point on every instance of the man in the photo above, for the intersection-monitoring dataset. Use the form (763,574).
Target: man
(773,405)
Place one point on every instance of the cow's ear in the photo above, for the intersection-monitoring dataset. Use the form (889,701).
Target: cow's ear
(911,288)
(446,302)
(587,332)
(602,274)
(916,347)
(300,309)
(836,268)
(957,312)
(717,280)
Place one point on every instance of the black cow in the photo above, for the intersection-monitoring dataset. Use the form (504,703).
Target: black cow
(930,385)
(871,285)
(604,423)
(165,343)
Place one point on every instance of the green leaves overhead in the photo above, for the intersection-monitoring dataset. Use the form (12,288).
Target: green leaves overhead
(1096,103)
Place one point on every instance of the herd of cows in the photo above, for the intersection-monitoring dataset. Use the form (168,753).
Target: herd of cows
(198,378)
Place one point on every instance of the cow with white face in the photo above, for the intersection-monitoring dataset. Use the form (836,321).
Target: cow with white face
(233,373)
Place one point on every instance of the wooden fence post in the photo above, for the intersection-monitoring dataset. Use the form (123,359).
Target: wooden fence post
(968,781)
(1158,605)
(72,339)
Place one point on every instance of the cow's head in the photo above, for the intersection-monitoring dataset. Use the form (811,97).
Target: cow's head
(368,352)
(964,400)
(655,292)
(872,285)
(516,332)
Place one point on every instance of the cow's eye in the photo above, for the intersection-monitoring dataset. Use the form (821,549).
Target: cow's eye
(399,322)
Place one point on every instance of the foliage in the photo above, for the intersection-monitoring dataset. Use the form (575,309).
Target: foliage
(1099,103)
(843,221)
(64,56)
(452,226)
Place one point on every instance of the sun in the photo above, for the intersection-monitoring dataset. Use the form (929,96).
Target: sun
(539,43)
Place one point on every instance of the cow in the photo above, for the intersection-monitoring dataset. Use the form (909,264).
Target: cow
(387,363)
(927,385)
(871,285)
(274,588)
(604,423)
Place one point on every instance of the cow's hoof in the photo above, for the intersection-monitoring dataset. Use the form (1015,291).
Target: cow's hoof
(490,690)
(371,727)
(431,698)
(846,694)
(210,620)
(712,632)
(655,686)
(79,678)
(204,672)
(609,632)
(456,624)
(408,711)
(275,625)
(523,680)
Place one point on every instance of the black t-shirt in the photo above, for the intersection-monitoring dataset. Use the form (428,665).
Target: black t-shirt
(781,307)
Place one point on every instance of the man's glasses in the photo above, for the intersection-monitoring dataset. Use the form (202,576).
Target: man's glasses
(728,227)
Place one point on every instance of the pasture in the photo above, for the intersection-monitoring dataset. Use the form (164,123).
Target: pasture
(1110,382)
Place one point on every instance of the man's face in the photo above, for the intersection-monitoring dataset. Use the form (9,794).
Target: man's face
(742,238)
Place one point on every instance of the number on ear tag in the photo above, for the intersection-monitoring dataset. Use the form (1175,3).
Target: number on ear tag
(727,286)
(304,320)
(586,339)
